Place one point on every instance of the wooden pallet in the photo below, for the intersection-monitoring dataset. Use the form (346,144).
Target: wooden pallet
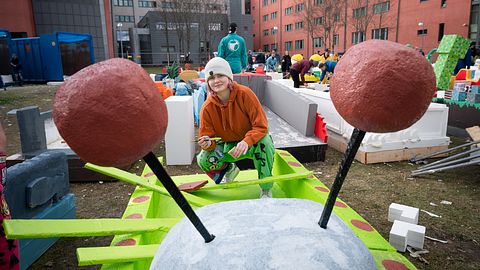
(339,143)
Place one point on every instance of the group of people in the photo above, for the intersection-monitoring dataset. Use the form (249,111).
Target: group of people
(234,113)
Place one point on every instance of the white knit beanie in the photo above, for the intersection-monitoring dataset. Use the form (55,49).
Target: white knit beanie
(218,65)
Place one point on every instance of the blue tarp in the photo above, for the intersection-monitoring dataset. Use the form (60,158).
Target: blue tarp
(71,38)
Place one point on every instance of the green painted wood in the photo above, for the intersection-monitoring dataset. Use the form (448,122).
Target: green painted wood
(279,178)
(47,228)
(139,181)
(119,254)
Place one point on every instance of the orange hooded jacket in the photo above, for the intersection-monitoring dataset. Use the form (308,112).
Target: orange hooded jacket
(242,118)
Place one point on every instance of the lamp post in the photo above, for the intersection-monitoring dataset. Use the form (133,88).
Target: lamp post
(275,29)
(119,25)
(423,33)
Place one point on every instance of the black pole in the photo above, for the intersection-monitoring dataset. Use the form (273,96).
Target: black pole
(170,186)
(353,145)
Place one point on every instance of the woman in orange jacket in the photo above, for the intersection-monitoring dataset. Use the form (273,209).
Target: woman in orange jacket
(234,113)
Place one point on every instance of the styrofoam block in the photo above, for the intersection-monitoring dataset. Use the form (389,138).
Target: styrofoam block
(404,233)
(429,131)
(180,135)
(152,76)
(275,75)
(403,213)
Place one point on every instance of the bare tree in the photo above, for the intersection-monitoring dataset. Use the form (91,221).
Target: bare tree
(308,14)
(331,11)
(210,28)
(362,16)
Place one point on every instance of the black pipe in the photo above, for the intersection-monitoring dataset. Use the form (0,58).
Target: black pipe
(353,145)
(170,186)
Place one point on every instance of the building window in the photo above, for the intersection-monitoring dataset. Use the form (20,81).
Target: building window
(265,2)
(443,4)
(274,1)
(273,46)
(123,18)
(441,31)
(421,32)
(288,46)
(298,25)
(265,18)
(360,12)
(317,2)
(288,10)
(266,48)
(381,7)
(380,33)
(265,32)
(335,40)
(358,37)
(123,3)
(147,4)
(168,5)
(273,15)
(165,49)
(247,6)
(336,17)
(288,27)
(299,44)
(274,31)
(299,7)
(318,20)
(317,42)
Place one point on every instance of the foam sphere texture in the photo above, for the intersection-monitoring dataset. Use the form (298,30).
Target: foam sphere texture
(263,234)
(110,113)
(382,86)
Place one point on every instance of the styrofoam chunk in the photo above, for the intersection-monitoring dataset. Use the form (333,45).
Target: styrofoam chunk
(403,213)
(404,233)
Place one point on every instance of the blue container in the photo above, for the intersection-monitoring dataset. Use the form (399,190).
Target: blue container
(51,56)
(29,52)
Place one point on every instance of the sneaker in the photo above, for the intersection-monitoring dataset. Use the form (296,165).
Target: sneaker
(231,174)
(266,194)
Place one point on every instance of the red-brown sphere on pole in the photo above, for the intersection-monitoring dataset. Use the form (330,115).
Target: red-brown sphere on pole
(110,113)
(382,86)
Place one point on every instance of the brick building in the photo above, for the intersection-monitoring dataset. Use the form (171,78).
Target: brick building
(312,25)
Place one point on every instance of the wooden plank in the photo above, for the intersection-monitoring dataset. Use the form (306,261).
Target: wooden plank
(107,255)
(139,181)
(47,228)
(474,133)
(339,143)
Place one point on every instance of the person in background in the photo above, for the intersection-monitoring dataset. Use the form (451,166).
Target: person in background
(250,60)
(260,58)
(299,69)
(272,62)
(234,113)
(324,56)
(16,70)
(182,89)
(9,258)
(286,63)
(328,66)
(232,48)
(466,61)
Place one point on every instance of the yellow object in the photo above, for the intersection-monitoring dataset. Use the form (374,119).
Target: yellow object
(297,57)
(316,57)
(333,57)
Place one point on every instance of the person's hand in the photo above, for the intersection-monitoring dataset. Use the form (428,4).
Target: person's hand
(204,142)
(240,149)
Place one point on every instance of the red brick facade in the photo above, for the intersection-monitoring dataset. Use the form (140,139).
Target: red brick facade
(397,20)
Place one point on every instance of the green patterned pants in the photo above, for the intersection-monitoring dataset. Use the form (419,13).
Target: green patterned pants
(214,163)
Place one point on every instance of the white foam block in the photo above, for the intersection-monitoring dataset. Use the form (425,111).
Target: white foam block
(179,145)
(404,233)
(403,213)
(152,76)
